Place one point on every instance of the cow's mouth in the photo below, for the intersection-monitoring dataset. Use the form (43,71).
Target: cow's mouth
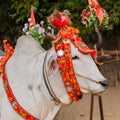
(99,93)
(96,93)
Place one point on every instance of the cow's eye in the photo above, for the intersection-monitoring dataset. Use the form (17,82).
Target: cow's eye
(75,57)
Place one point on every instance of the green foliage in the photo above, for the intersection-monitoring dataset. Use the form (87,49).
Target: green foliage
(22,9)
(34,33)
(8,28)
(16,12)
(113,9)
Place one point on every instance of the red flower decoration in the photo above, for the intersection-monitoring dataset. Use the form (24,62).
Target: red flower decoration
(88,15)
(58,23)
(83,11)
(67,72)
(57,20)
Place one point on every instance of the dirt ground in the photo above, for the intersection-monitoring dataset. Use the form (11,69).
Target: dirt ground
(81,110)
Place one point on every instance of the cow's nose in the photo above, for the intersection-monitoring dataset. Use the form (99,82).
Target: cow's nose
(104,83)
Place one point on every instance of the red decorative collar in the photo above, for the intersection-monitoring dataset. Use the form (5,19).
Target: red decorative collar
(12,99)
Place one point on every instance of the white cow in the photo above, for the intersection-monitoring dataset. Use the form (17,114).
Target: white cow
(25,74)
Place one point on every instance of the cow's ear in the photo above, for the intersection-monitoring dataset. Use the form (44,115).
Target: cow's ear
(53,67)
(51,64)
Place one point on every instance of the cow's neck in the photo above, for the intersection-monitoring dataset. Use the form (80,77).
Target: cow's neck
(28,86)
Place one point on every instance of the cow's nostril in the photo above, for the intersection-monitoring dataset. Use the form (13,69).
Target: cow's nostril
(104,83)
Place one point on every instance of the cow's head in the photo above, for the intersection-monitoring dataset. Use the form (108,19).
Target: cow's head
(87,73)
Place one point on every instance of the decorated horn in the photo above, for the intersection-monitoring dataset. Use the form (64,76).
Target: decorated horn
(50,36)
(99,37)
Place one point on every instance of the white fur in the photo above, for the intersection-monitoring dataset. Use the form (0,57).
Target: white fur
(24,70)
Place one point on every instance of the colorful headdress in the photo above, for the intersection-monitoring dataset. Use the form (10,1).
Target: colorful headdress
(62,21)
(94,13)
(58,19)
(35,30)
